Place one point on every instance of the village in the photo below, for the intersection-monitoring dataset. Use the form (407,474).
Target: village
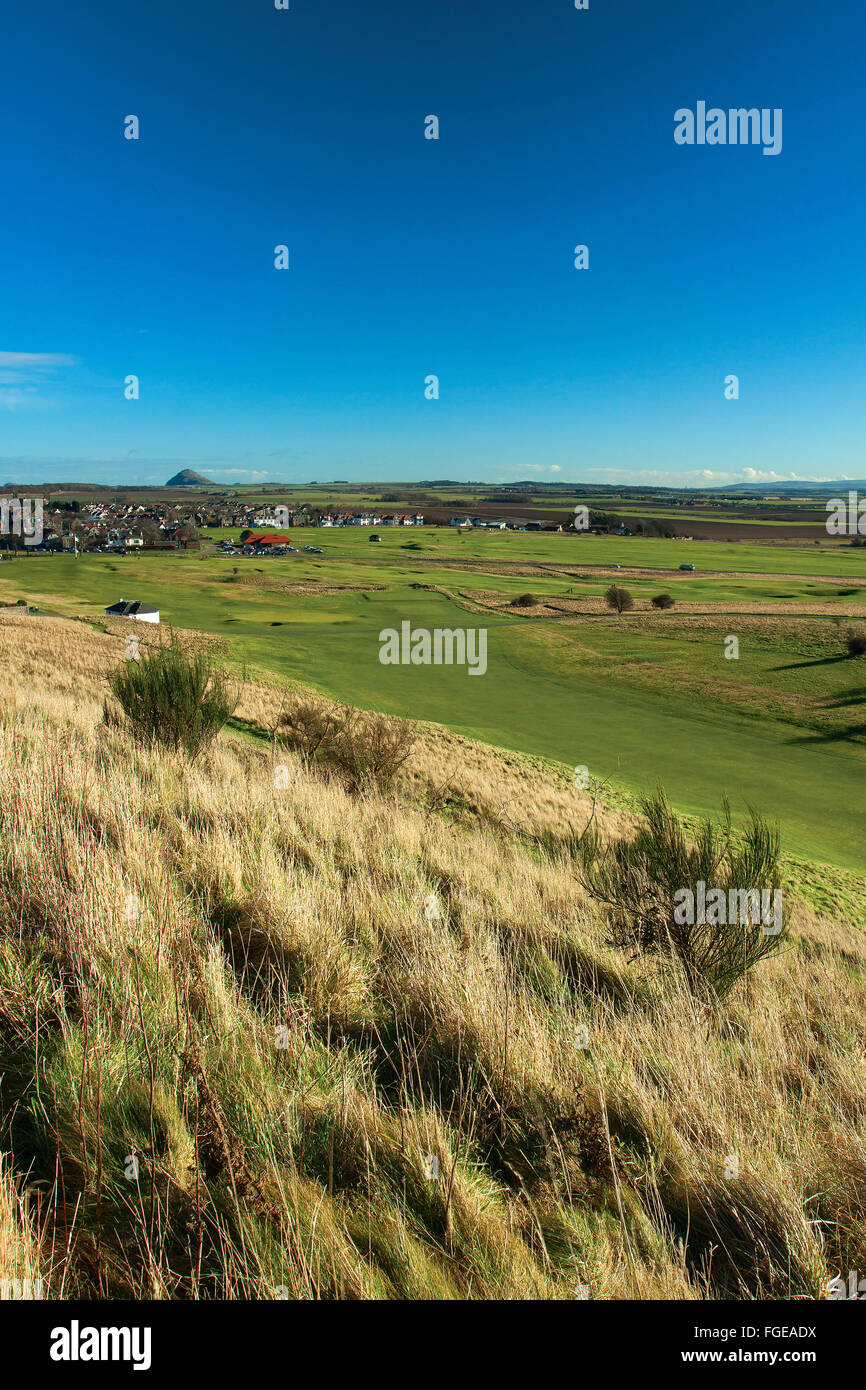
(156,525)
(123,526)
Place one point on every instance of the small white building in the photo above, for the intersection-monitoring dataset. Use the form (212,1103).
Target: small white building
(133,608)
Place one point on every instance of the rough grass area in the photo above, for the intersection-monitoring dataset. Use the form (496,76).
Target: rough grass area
(263,1037)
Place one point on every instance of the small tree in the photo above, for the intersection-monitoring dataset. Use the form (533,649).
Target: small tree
(174,697)
(855,642)
(662,601)
(524,601)
(620,600)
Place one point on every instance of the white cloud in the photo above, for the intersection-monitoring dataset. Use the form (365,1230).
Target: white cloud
(253,475)
(31,368)
(704,477)
(14,397)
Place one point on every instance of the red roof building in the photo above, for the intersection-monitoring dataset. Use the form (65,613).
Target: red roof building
(268,538)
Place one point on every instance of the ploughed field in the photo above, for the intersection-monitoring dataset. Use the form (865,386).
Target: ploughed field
(638,699)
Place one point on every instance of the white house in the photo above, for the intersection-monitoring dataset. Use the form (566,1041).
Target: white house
(133,608)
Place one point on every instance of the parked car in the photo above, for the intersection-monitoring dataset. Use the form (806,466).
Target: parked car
(313,550)
(375,538)
(686,567)
(614,567)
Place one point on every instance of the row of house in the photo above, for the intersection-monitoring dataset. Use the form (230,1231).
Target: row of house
(480,523)
(136,525)
(370,519)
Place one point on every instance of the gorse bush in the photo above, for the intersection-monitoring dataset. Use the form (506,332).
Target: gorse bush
(362,748)
(662,601)
(855,642)
(649,880)
(176,697)
(524,601)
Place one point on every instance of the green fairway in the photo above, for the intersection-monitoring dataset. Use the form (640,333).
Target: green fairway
(637,737)
(569,549)
(779,728)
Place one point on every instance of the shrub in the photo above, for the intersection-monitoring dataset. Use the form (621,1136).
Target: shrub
(524,601)
(173,696)
(641,881)
(855,642)
(363,748)
(662,601)
(618,599)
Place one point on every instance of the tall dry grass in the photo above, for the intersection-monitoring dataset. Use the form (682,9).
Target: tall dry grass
(261,1038)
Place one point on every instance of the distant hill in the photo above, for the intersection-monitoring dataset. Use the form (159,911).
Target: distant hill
(187,477)
(840,488)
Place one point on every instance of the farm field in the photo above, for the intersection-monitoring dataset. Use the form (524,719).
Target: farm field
(639,700)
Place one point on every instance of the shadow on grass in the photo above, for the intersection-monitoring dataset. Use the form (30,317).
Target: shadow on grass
(854,733)
(846,699)
(820,661)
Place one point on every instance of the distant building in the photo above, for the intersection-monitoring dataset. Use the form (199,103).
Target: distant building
(133,608)
(269,541)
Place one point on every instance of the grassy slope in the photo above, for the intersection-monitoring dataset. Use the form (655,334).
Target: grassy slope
(151,1030)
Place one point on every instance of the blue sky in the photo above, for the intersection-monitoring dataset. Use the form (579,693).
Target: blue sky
(411,257)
